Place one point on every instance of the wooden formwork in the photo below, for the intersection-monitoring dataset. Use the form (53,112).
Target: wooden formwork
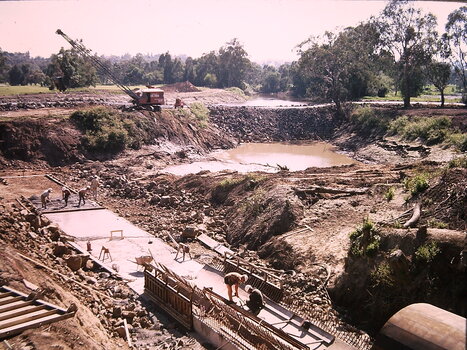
(165,289)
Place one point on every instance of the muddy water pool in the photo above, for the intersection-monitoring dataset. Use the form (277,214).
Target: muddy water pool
(266,157)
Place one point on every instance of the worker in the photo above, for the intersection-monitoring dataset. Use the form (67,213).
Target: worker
(255,301)
(45,197)
(82,195)
(65,195)
(234,279)
(94,186)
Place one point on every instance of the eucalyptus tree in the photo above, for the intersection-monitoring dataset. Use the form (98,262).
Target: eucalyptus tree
(336,67)
(411,37)
(438,74)
(456,40)
(233,64)
(72,69)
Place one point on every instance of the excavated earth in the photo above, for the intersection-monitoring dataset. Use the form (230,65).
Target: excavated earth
(285,221)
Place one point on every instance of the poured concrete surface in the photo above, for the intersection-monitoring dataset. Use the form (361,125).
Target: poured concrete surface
(94,226)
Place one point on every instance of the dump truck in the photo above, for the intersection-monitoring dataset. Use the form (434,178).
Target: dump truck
(150,98)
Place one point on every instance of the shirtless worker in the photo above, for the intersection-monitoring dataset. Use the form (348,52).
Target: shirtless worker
(65,195)
(234,279)
(256,301)
(82,194)
(45,197)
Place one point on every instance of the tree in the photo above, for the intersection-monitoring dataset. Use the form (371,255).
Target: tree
(233,64)
(411,37)
(271,82)
(3,67)
(73,70)
(439,73)
(336,68)
(15,75)
(189,72)
(456,40)
(206,65)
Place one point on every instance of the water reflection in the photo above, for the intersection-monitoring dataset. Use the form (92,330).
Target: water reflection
(267,157)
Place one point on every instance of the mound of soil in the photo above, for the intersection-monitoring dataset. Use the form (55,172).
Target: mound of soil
(185,86)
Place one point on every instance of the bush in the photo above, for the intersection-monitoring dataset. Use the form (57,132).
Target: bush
(365,240)
(108,130)
(236,90)
(201,112)
(382,276)
(427,252)
(459,141)
(431,130)
(416,184)
(389,195)
(367,120)
(460,162)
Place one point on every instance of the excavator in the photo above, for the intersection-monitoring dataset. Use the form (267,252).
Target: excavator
(150,98)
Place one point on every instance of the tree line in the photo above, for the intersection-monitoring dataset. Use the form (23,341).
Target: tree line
(399,51)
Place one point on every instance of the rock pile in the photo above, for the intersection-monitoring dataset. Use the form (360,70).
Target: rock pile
(263,125)
(105,295)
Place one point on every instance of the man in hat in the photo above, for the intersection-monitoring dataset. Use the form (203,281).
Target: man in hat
(45,197)
(65,195)
(234,279)
(82,195)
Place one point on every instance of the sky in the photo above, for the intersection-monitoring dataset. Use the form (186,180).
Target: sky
(269,30)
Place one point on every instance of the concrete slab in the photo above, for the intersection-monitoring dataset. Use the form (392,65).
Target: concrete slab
(95,226)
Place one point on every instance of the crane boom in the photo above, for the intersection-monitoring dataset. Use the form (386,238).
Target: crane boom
(98,64)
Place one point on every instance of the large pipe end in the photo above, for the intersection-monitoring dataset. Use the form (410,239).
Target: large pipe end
(59,32)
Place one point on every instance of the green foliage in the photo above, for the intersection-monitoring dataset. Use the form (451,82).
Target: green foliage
(382,276)
(337,67)
(416,184)
(437,224)
(72,69)
(230,182)
(201,112)
(365,240)
(389,195)
(236,90)
(233,64)
(431,130)
(254,205)
(368,120)
(427,252)
(460,162)
(459,141)
(105,130)
(411,36)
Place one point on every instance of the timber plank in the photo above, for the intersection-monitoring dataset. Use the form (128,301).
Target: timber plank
(33,324)
(26,318)
(20,311)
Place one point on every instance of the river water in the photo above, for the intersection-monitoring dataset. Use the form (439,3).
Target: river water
(268,157)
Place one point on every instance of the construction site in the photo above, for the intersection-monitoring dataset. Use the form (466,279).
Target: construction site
(106,247)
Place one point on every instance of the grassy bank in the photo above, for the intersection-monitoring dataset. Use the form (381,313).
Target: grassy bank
(428,130)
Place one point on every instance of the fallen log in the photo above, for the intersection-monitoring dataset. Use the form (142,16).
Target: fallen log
(415,216)
(320,189)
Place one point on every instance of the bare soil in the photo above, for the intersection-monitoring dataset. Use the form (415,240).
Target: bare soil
(297,221)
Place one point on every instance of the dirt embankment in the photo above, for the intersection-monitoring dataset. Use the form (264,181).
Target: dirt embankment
(58,141)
